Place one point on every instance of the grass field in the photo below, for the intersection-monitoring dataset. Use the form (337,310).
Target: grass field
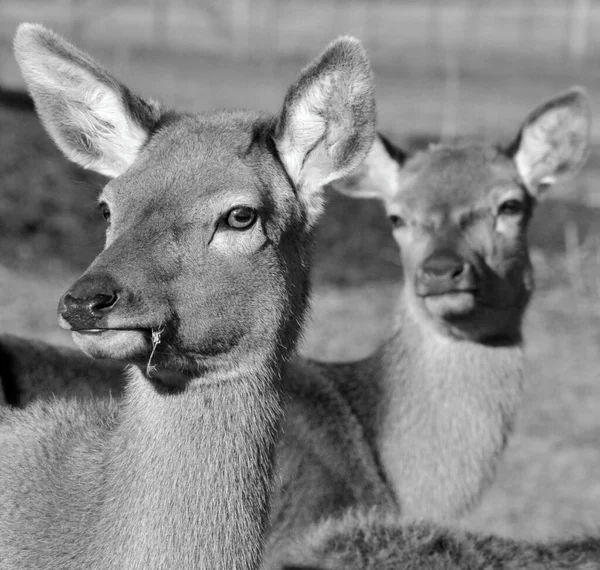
(549,482)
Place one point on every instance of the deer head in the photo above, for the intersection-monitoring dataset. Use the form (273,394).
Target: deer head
(460,213)
(209,216)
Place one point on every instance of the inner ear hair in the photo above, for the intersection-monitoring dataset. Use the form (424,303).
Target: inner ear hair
(553,142)
(96,121)
(327,123)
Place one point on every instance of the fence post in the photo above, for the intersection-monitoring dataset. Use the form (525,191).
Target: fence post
(579,27)
(451,95)
(240,28)
(159,22)
(435,27)
(454,46)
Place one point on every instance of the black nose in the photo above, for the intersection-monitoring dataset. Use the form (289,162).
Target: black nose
(85,304)
(444,265)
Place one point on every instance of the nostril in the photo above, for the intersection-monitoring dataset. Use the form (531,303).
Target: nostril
(97,305)
(104,303)
(458,271)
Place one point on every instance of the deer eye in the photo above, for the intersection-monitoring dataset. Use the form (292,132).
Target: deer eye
(241,218)
(105,211)
(396,221)
(511,208)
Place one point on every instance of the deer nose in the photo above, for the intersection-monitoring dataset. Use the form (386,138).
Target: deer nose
(87,302)
(443,265)
(444,272)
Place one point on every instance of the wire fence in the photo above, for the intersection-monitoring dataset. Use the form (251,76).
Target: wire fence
(270,29)
(456,66)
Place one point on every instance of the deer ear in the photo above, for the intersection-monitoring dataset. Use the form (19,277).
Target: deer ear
(377,175)
(554,140)
(327,124)
(97,122)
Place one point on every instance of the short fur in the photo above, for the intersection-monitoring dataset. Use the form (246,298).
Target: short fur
(32,370)
(414,424)
(417,451)
(380,541)
(177,474)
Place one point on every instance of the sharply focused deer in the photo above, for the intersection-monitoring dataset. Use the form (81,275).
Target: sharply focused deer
(202,285)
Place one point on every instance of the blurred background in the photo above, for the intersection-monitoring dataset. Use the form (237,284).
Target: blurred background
(443,69)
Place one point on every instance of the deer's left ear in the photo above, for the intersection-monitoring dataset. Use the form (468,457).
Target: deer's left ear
(554,140)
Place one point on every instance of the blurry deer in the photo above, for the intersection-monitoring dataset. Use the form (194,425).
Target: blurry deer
(438,399)
(378,540)
(16,99)
(33,369)
(440,395)
(202,286)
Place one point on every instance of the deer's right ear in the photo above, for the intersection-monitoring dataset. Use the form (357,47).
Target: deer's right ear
(97,122)
(378,174)
(328,121)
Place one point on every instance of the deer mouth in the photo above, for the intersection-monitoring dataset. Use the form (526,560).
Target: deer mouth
(103,330)
(89,331)
(120,344)
(449,304)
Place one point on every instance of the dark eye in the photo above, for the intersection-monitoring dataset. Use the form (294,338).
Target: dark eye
(397,221)
(241,218)
(105,211)
(511,208)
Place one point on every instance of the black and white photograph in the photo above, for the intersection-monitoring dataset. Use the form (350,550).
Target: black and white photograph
(299,285)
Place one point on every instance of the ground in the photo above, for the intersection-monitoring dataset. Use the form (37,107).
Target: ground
(549,480)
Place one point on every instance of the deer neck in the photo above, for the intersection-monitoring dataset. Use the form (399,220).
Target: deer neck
(446,409)
(189,474)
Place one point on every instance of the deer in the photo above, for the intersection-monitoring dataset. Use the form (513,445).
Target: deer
(34,369)
(431,410)
(369,399)
(459,214)
(202,287)
(380,540)
(438,399)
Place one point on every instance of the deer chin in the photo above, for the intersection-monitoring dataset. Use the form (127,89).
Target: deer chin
(451,305)
(119,344)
